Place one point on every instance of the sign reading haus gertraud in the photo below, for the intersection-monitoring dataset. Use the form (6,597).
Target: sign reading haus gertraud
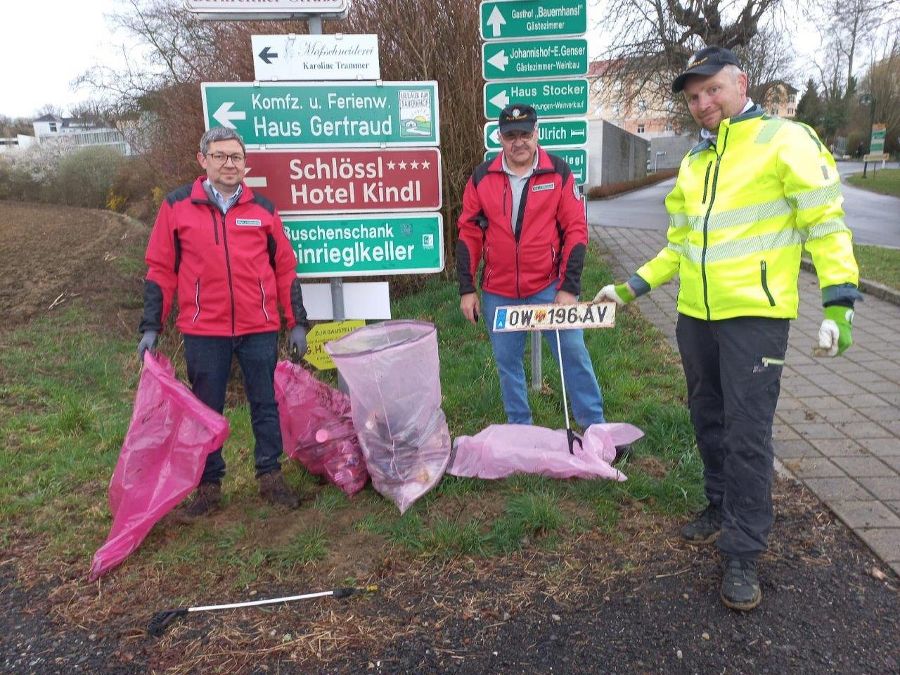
(316,114)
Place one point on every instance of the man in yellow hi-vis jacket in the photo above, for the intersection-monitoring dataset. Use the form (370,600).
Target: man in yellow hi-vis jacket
(748,198)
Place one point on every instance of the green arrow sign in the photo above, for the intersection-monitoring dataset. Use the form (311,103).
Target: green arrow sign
(550,98)
(551,132)
(301,114)
(364,245)
(576,158)
(519,59)
(530,18)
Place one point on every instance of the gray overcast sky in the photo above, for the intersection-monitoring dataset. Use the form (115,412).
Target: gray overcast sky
(46,44)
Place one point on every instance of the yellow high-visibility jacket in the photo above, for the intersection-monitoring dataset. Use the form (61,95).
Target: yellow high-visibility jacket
(739,215)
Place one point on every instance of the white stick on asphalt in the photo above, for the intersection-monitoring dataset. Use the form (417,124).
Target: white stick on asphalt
(253,603)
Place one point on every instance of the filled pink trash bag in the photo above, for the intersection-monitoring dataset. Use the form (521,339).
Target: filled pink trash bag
(161,460)
(316,428)
(505,449)
(393,374)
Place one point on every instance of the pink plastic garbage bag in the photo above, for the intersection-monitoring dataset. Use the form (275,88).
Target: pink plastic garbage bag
(392,371)
(505,449)
(316,428)
(161,460)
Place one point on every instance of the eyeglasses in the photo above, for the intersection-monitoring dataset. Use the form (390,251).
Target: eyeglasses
(221,158)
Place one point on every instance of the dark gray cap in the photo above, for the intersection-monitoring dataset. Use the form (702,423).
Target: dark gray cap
(708,61)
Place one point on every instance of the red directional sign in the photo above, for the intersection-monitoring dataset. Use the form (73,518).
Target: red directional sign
(347,181)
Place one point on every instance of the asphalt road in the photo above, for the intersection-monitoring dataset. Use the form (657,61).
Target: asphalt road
(873,218)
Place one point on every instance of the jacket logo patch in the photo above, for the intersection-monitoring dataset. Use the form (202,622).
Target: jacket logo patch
(248,222)
(543,186)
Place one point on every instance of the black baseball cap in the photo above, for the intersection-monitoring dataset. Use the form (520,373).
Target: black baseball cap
(708,61)
(517,117)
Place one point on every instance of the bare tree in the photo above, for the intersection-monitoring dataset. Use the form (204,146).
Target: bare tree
(882,83)
(652,39)
(436,40)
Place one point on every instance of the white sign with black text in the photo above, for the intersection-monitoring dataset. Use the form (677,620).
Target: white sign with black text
(315,57)
(555,317)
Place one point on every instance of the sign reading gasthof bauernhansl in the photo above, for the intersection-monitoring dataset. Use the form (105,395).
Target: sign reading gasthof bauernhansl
(316,114)
(351,245)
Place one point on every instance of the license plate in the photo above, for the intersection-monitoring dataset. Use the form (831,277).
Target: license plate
(550,317)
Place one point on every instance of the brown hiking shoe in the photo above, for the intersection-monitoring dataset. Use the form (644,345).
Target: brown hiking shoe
(206,500)
(275,491)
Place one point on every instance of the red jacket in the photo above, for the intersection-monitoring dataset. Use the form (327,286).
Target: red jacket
(231,272)
(550,236)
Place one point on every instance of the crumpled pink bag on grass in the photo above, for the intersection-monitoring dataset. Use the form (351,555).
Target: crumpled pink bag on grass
(505,449)
(316,428)
(161,460)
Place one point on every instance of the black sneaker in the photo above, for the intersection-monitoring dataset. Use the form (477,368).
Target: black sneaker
(740,584)
(705,528)
(206,500)
(275,491)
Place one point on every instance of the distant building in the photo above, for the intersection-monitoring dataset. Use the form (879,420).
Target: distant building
(78,133)
(780,99)
(17,142)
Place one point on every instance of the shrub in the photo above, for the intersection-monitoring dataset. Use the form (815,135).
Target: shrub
(84,177)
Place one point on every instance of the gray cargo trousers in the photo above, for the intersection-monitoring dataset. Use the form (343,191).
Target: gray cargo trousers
(733,371)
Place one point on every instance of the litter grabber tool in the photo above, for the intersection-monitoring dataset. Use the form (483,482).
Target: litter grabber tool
(571,436)
(161,620)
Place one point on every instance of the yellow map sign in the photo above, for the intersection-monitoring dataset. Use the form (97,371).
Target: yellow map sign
(326,332)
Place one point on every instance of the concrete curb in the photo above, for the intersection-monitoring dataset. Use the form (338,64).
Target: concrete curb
(880,291)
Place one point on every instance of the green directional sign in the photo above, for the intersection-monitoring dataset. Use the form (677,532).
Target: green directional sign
(876,143)
(315,114)
(576,158)
(550,98)
(532,18)
(551,132)
(519,59)
(365,245)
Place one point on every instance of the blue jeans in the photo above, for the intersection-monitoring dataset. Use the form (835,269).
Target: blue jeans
(585,399)
(209,365)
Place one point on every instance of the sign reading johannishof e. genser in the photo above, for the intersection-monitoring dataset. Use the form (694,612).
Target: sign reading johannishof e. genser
(532,18)
(301,114)
(519,59)
(360,245)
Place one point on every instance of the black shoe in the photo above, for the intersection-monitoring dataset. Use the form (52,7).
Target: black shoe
(275,491)
(740,584)
(206,500)
(705,528)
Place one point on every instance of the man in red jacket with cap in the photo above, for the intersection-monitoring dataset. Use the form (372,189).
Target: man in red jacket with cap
(523,216)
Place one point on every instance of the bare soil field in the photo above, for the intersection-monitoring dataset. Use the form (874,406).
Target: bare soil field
(632,600)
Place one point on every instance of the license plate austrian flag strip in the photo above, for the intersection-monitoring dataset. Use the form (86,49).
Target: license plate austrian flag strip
(550,317)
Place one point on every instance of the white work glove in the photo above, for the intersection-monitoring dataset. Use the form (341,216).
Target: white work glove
(621,294)
(835,333)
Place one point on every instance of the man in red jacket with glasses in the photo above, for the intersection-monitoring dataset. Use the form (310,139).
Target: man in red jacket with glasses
(222,252)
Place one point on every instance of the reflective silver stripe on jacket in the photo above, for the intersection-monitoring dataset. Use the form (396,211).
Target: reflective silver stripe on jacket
(743,247)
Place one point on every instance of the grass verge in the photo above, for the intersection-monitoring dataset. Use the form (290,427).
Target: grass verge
(882,181)
(66,398)
(879,264)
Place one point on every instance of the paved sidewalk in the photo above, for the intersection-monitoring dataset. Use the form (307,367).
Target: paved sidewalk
(837,427)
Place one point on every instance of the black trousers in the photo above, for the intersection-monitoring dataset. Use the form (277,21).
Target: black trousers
(733,370)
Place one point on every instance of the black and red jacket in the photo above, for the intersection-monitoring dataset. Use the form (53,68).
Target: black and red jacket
(550,236)
(230,271)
